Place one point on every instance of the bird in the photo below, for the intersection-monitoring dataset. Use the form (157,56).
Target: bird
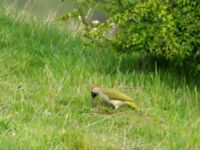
(114,97)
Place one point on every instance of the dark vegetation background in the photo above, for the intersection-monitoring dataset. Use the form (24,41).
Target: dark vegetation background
(168,32)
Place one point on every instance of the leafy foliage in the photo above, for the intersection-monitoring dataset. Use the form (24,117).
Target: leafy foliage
(170,29)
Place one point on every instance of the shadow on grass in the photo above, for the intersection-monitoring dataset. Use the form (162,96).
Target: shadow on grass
(113,62)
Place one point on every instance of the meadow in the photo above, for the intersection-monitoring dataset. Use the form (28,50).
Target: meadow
(46,75)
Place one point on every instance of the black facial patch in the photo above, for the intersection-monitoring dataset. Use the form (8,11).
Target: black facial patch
(93,94)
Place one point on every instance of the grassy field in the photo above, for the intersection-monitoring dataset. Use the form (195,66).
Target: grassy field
(46,74)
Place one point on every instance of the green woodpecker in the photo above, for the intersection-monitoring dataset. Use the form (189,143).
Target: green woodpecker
(113,97)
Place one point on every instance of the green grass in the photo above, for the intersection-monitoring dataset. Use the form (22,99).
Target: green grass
(46,74)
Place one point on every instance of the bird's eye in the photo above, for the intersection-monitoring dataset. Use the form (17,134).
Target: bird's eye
(93,94)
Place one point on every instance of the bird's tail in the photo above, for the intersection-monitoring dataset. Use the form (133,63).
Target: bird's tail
(132,105)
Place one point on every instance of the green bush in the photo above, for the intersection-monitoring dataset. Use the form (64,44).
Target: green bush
(167,29)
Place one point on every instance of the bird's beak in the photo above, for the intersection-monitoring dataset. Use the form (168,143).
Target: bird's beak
(92,102)
(93,97)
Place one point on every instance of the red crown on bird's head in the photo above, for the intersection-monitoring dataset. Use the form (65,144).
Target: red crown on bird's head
(95,86)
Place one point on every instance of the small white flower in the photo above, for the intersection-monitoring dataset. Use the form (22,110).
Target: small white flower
(94,29)
(79,17)
(95,21)
(112,24)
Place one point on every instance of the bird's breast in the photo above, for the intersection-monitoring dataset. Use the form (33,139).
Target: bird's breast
(104,97)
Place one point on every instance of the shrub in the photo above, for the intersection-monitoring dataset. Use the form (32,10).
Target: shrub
(167,29)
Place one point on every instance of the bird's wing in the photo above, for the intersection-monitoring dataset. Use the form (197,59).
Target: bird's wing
(114,94)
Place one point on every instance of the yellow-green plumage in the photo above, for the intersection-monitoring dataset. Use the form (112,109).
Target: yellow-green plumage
(113,97)
(132,105)
(114,94)
(117,95)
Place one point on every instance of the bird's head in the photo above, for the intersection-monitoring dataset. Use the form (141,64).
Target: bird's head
(95,92)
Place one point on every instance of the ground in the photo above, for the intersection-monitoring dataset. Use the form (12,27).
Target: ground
(46,76)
